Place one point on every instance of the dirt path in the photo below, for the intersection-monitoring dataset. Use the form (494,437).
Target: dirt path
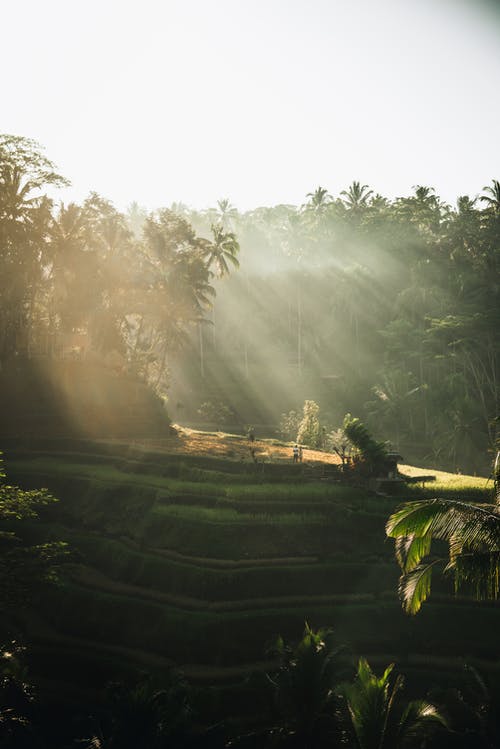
(232,447)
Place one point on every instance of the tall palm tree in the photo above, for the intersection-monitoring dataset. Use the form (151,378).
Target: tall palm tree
(222,250)
(318,200)
(74,275)
(180,278)
(24,220)
(492,198)
(16,192)
(472,532)
(356,196)
(379,718)
(226,212)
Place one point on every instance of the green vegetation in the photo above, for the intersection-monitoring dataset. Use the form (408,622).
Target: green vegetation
(385,307)
(354,302)
(309,430)
(378,717)
(472,533)
(23,566)
(304,687)
(156,547)
(373,453)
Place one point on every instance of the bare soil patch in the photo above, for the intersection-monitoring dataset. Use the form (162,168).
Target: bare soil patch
(234,447)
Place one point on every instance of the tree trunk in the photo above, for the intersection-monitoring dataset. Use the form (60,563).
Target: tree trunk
(202,359)
(299,331)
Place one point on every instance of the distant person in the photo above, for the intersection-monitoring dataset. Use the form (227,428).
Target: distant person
(295,453)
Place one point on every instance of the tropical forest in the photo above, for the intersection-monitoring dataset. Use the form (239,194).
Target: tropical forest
(182,565)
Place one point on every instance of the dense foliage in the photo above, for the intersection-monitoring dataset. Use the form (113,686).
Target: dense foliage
(77,280)
(23,566)
(472,533)
(386,308)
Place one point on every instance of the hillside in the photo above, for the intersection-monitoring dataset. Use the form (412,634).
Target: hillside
(188,553)
(70,398)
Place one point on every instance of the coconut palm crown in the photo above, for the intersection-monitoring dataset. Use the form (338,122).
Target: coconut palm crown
(379,718)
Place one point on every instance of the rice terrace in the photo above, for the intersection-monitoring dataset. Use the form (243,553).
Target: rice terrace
(194,560)
(249,375)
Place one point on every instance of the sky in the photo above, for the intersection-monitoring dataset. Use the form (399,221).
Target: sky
(259,101)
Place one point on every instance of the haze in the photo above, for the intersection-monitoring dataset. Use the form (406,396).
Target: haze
(258,101)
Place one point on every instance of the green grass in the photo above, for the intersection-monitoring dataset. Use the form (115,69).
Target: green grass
(143,568)
(186,506)
(241,636)
(228,515)
(450,484)
(294,492)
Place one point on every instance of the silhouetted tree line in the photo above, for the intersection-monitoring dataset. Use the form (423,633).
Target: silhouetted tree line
(75,278)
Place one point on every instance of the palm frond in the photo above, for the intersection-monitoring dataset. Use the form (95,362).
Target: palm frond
(419,717)
(476,525)
(410,550)
(415,586)
(480,572)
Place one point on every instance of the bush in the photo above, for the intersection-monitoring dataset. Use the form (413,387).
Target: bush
(289,425)
(309,432)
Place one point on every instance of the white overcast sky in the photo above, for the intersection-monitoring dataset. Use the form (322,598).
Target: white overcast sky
(260,101)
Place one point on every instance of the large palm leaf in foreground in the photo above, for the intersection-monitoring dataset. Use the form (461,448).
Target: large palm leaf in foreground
(472,532)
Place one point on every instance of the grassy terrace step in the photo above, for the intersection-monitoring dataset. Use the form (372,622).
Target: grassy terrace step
(261,498)
(203,562)
(104,499)
(226,564)
(233,637)
(155,572)
(95,579)
(224,488)
(137,458)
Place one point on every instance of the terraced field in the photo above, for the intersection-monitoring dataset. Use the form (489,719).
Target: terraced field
(201,562)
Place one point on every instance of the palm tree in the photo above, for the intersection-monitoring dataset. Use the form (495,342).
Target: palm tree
(378,717)
(16,192)
(356,196)
(493,195)
(472,532)
(374,454)
(219,253)
(226,212)
(424,194)
(318,200)
(180,279)
(74,273)
(222,250)
(465,204)
(304,685)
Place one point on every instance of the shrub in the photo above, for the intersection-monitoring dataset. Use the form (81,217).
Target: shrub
(309,432)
